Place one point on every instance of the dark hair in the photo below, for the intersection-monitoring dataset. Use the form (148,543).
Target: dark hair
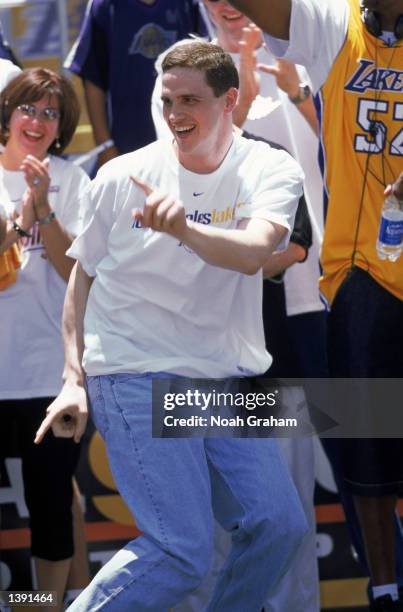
(30,86)
(219,69)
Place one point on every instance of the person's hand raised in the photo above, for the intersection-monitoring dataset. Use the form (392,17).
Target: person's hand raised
(162,212)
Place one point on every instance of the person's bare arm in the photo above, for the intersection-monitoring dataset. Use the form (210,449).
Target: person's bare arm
(55,238)
(273,16)
(71,401)
(288,80)
(3,228)
(95,98)
(244,249)
(279,261)
(25,221)
(249,80)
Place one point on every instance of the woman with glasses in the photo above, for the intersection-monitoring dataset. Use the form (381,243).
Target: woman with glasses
(40,192)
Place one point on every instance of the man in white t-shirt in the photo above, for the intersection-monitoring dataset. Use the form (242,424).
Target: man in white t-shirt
(168,283)
(264,110)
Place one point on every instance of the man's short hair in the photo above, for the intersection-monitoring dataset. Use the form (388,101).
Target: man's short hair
(219,69)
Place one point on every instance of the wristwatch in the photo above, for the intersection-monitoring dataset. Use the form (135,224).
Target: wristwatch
(49,217)
(304,91)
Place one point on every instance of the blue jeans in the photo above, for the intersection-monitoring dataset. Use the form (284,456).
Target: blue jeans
(173,487)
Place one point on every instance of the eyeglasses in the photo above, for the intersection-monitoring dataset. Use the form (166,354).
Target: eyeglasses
(46,114)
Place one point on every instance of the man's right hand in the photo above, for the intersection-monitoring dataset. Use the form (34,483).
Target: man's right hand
(396,188)
(67,414)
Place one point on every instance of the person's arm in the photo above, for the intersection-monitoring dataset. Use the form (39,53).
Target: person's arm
(397,188)
(55,238)
(25,221)
(273,16)
(3,228)
(96,99)
(279,261)
(244,249)
(249,80)
(288,80)
(298,247)
(71,401)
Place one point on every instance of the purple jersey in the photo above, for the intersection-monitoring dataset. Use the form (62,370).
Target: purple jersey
(116,50)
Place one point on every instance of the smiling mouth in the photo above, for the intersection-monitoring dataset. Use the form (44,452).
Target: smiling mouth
(233,17)
(32,135)
(184,131)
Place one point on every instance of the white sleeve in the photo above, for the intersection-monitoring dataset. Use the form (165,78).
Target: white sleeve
(275,194)
(317,32)
(8,71)
(98,205)
(73,186)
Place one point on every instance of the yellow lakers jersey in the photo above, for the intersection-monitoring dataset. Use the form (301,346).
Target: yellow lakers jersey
(361,112)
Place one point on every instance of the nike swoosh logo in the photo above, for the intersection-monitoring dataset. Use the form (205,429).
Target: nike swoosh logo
(196,195)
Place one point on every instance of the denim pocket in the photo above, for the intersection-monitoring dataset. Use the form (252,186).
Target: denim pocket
(96,404)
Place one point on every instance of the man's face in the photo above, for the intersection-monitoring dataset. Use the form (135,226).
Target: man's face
(226,18)
(196,117)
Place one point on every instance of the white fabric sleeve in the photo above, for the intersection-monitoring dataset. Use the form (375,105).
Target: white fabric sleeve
(8,71)
(275,194)
(74,183)
(98,205)
(317,32)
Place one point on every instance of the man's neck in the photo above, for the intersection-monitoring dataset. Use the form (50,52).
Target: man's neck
(389,19)
(205,164)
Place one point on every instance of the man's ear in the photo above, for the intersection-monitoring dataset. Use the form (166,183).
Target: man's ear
(231,98)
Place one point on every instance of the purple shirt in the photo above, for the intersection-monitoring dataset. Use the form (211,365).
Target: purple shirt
(116,50)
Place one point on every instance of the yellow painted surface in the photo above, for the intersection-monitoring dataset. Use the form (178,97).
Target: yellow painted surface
(343,593)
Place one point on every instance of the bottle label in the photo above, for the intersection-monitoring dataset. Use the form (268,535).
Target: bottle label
(391,232)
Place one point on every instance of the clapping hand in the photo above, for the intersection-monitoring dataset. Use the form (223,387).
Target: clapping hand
(36,174)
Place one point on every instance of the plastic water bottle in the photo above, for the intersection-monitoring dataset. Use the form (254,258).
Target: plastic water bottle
(390,239)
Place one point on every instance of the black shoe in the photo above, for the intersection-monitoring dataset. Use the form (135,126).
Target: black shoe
(386,604)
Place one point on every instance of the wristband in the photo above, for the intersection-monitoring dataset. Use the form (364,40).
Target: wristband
(47,219)
(19,231)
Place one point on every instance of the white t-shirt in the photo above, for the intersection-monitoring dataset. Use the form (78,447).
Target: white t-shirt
(286,126)
(157,306)
(8,71)
(279,121)
(317,31)
(31,348)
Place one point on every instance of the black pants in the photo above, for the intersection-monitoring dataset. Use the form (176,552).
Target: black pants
(47,471)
